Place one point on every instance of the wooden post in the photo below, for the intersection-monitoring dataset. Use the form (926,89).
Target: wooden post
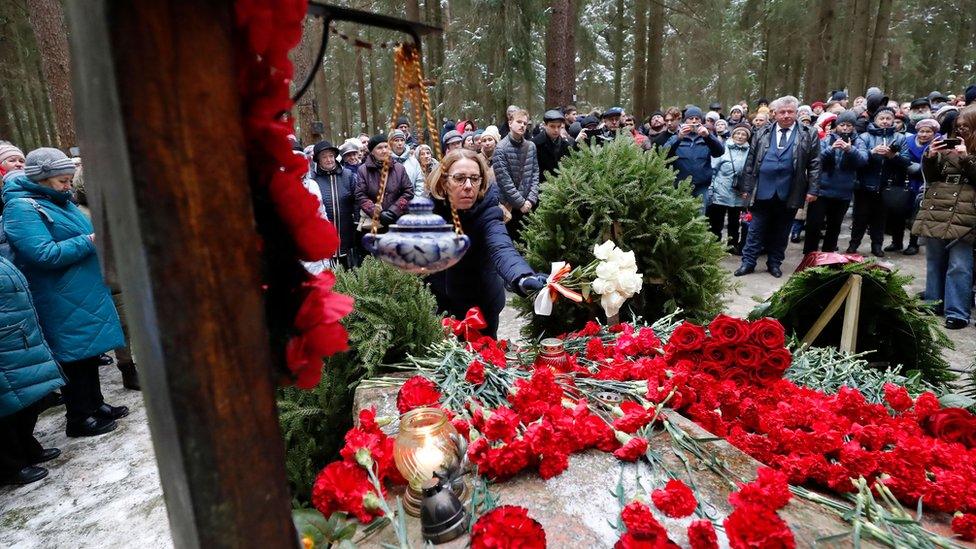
(160,129)
(827,314)
(852,314)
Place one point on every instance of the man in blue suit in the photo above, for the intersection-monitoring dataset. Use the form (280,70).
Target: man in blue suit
(782,172)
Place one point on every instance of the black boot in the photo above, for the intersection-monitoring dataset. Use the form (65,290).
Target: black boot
(893,247)
(876,250)
(106,411)
(851,249)
(26,475)
(912,248)
(130,377)
(90,427)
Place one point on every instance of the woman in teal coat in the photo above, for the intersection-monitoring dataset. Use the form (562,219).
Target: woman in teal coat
(53,245)
(28,373)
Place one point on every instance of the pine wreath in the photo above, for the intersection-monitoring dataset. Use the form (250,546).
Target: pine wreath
(619,192)
(895,328)
(394,315)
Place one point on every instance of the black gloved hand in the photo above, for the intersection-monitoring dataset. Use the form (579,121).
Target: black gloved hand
(532,283)
(387,218)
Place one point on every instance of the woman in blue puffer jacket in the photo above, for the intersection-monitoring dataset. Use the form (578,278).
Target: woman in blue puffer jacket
(28,373)
(53,245)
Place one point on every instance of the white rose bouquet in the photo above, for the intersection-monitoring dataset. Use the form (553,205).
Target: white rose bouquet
(612,275)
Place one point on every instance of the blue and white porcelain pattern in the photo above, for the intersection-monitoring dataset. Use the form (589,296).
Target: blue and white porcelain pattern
(421,242)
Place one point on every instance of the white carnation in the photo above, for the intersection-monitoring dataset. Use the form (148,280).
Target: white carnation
(629,283)
(602,251)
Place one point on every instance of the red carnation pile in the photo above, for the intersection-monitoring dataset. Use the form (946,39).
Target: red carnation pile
(754,522)
(507,527)
(552,431)
(344,485)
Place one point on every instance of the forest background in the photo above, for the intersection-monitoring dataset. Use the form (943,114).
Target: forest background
(638,54)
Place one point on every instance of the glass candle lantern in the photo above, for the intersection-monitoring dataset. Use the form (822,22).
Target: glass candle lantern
(424,445)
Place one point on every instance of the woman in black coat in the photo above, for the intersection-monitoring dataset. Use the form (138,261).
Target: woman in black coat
(492,263)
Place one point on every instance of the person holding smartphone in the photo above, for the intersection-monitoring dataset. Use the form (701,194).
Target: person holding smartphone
(693,148)
(885,168)
(842,154)
(946,219)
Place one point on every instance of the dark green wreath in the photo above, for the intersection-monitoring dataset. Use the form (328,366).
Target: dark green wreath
(619,192)
(897,328)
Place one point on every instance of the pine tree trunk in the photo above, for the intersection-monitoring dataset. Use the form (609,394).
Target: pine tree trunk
(413,10)
(859,46)
(303,57)
(655,59)
(47,20)
(640,51)
(321,89)
(879,43)
(560,53)
(361,92)
(374,109)
(818,49)
(616,41)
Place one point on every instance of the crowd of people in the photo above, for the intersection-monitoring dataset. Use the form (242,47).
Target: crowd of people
(779,172)
(58,317)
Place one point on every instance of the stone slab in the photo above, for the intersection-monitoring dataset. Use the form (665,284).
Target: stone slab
(577,508)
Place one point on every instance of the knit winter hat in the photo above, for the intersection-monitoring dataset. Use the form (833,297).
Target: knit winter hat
(884,109)
(713,116)
(846,116)
(396,134)
(375,140)
(7,150)
(692,110)
(970,94)
(492,132)
(743,127)
(47,162)
(927,122)
(402,121)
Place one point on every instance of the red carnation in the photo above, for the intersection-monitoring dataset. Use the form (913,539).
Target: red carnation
(476,373)
(501,425)
(897,397)
(505,527)
(701,535)
(319,332)
(769,490)
(643,530)
(417,392)
(752,527)
(344,486)
(639,520)
(635,416)
(676,500)
(769,333)
(728,330)
(964,525)
(553,464)
(687,337)
(632,450)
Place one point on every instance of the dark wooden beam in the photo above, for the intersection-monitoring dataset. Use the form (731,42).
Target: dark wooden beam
(160,130)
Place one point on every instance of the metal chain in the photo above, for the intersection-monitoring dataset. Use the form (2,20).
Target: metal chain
(407,72)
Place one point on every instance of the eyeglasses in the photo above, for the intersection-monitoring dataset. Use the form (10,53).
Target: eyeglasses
(460,179)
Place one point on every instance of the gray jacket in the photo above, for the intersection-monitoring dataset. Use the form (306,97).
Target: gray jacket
(806,164)
(516,172)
